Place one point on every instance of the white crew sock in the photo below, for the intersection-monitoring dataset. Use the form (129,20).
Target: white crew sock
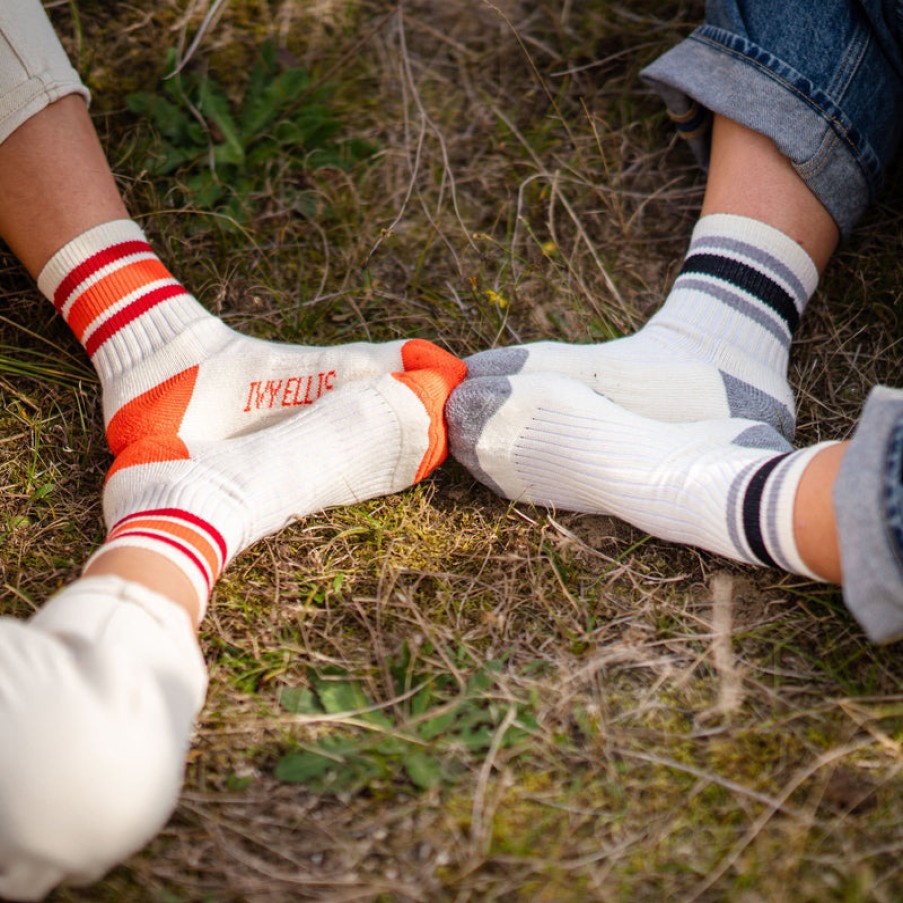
(166,365)
(717,348)
(727,486)
(201,503)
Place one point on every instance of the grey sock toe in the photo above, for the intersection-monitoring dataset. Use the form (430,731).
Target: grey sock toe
(497,362)
(470,407)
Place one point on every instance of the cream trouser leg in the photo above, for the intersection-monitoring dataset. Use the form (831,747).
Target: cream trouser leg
(34,68)
(98,695)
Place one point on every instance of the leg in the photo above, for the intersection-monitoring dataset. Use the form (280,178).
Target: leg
(749,177)
(792,168)
(830,512)
(56,183)
(162,359)
(727,486)
(719,346)
(799,148)
(114,675)
(814,518)
(100,691)
(211,454)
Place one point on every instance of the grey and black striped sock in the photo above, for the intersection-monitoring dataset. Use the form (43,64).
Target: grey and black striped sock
(718,347)
(727,485)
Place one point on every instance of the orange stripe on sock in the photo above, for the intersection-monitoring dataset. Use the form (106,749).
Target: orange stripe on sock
(204,526)
(110,290)
(158,411)
(187,535)
(150,450)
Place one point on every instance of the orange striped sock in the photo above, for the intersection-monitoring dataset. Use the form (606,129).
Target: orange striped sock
(203,506)
(170,368)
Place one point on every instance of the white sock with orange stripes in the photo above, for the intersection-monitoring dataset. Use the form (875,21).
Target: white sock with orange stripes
(200,503)
(167,366)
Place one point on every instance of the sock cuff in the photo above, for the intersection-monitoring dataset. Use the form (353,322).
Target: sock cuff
(761,518)
(763,245)
(781,496)
(83,247)
(104,282)
(190,542)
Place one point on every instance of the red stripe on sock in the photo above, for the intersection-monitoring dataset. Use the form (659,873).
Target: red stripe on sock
(95,262)
(111,289)
(187,516)
(123,317)
(190,535)
(176,545)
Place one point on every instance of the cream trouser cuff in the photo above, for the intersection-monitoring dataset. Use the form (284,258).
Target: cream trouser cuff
(34,69)
(98,696)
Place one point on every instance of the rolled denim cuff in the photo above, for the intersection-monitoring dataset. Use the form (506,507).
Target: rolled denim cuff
(868,503)
(716,71)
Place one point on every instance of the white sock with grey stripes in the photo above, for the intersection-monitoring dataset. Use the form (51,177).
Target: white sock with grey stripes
(717,348)
(727,486)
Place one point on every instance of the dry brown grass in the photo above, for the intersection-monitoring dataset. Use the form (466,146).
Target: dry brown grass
(693,729)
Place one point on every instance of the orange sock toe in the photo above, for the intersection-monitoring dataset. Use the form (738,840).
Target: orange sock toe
(419,354)
(432,380)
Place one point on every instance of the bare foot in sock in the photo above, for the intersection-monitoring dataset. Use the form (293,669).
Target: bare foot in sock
(718,347)
(202,502)
(166,365)
(723,485)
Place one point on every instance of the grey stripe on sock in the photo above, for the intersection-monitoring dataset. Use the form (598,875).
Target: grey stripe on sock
(777,327)
(735,515)
(776,266)
(774,486)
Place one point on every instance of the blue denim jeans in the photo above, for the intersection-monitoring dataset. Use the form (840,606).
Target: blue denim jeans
(822,78)
(868,503)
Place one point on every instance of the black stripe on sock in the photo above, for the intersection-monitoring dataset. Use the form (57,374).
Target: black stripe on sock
(752,506)
(749,279)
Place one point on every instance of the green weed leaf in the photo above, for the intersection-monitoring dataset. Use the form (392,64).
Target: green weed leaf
(411,749)
(423,769)
(302,767)
(299,701)
(224,152)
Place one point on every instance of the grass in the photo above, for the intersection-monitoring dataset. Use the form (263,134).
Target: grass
(480,701)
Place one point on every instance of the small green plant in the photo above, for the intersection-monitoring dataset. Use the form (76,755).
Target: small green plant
(438,731)
(283,128)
